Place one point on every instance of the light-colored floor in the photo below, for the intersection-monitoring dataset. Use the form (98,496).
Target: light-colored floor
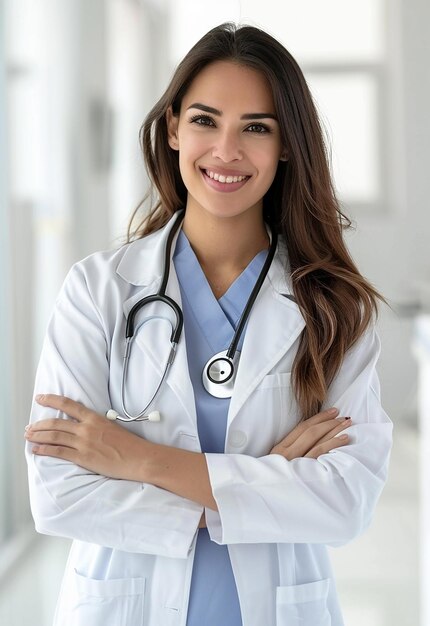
(377,574)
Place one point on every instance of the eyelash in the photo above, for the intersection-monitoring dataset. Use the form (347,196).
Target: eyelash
(201,120)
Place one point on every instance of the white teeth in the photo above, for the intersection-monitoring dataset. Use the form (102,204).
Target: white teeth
(225,179)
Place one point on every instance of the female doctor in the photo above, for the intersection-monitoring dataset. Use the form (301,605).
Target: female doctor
(209,496)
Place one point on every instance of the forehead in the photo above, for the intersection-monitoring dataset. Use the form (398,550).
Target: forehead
(223,84)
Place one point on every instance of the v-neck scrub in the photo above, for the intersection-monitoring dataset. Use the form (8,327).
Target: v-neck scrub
(209,325)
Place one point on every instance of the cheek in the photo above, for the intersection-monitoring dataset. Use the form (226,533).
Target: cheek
(187,168)
(191,147)
(266,158)
(268,166)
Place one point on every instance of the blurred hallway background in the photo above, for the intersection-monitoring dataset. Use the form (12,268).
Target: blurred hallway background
(76,81)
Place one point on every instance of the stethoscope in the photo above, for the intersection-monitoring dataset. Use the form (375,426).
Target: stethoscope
(219,373)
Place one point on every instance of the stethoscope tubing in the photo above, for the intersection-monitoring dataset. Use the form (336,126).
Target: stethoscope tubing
(252,298)
(212,386)
(160,296)
(139,417)
(161,293)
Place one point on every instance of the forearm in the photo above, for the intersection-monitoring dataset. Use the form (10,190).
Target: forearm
(105,448)
(179,471)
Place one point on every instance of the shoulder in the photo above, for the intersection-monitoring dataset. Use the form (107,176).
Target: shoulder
(360,361)
(94,272)
(125,264)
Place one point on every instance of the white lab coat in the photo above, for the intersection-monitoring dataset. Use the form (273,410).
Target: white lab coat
(132,556)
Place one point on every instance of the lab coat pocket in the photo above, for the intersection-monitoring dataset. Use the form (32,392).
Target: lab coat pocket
(280,379)
(269,402)
(303,605)
(275,391)
(108,602)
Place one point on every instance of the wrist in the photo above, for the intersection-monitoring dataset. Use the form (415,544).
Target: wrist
(145,461)
(182,472)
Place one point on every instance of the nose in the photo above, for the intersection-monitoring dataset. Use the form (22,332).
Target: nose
(227,147)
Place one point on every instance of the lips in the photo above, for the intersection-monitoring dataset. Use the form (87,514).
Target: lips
(225,180)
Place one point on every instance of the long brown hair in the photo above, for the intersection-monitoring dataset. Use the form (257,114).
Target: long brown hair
(337,303)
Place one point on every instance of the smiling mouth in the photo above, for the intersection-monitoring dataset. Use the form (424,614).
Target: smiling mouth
(226,180)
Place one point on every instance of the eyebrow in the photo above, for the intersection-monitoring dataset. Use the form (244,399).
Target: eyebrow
(246,116)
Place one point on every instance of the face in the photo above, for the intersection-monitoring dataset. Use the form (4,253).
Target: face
(228,140)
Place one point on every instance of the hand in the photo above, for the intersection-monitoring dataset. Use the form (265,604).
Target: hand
(89,440)
(314,436)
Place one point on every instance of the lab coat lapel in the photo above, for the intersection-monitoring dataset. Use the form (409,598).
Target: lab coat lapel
(274,325)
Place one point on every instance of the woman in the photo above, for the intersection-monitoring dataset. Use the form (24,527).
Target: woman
(219,513)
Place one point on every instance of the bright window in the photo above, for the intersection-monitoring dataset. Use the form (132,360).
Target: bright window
(348,106)
(344,67)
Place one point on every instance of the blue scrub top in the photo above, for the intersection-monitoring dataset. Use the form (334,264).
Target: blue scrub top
(209,326)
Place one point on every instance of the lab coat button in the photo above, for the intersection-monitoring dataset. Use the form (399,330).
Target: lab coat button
(237,438)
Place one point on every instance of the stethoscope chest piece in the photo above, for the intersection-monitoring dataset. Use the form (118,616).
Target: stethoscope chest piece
(219,374)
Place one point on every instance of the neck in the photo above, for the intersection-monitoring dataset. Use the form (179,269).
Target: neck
(225,242)
(224,246)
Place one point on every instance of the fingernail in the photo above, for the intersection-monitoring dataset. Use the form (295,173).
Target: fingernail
(343,437)
(27,427)
(347,419)
(39,397)
(332,411)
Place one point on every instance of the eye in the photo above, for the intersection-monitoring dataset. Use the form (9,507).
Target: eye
(260,129)
(202,120)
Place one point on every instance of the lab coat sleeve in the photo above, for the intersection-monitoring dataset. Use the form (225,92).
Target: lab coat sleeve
(327,500)
(69,501)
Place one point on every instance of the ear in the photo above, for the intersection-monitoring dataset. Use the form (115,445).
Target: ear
(172,129)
